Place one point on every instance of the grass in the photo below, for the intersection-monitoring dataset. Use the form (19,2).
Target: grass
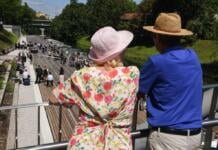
(7,39)
(83,43)
(207,51)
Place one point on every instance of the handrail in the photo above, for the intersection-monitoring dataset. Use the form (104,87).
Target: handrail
(210,123)
(137,133)
(23,106)
(209,86)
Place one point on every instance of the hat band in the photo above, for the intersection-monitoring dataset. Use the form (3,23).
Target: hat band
(167,30)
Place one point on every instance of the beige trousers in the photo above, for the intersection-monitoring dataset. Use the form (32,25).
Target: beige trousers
(163,141)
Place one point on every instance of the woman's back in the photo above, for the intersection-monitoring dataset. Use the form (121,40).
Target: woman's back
(107,90)
(107,98)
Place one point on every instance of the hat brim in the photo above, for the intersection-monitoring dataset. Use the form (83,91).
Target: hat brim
(125,37)
(183,32)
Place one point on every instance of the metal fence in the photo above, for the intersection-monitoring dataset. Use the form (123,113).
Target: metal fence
(210,122)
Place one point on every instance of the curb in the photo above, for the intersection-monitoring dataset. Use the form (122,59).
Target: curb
(6,77)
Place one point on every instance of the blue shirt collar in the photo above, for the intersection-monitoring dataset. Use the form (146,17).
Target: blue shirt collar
(173,49)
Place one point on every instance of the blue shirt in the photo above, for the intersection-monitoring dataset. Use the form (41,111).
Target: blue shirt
(173,82)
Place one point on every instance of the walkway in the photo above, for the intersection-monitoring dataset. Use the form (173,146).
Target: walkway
(27,117)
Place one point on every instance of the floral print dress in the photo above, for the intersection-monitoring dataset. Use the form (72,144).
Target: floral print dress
(112,95)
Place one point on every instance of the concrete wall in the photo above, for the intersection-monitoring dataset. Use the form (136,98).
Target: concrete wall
(15,29)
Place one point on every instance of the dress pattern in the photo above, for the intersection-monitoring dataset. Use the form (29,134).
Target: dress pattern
(112,94)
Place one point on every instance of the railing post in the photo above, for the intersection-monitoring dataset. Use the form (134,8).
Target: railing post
(208,136)
(16,133)
(60,123)
(39,125)
(134,122)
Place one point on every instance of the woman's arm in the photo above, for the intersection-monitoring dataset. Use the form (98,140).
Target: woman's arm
(52,99)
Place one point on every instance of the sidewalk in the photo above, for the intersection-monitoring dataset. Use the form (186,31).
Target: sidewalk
(27,117)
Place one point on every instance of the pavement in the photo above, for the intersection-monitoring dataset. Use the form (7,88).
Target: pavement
(27,117)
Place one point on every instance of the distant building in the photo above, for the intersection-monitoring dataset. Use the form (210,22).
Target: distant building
(131,16)
(42,15)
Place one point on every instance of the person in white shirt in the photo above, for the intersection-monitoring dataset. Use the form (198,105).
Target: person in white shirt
(25,74)
(50,79)
(26,77)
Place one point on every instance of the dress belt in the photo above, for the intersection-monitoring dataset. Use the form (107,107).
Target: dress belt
(187,132)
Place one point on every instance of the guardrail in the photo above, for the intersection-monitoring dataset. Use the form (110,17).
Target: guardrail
(138,133)
(207,124)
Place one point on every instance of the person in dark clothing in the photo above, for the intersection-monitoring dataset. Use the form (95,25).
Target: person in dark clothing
(30,57)
(23,59)
(45,73)
(38,74)
(62,58)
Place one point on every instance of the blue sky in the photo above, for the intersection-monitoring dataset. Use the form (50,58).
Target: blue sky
(52,7)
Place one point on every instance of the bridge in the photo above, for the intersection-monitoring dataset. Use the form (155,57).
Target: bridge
(42,24)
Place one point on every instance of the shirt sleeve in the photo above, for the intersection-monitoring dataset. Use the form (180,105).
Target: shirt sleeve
(148,74)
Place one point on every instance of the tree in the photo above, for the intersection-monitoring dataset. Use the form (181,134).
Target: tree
(197,15)
(12,12)
(108,12)
(70,24)
(81,19)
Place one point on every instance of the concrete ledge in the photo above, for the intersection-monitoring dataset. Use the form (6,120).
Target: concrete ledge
(6,77)
(11,131)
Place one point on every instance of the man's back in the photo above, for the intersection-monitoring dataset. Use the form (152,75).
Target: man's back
(175,98)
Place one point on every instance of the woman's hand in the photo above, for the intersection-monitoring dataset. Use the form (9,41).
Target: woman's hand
(53,100)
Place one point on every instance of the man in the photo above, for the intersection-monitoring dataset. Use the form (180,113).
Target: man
(38,74)
(26,78)
(173,82)
(50,79)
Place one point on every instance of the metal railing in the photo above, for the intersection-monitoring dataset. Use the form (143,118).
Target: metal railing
(207,124)
(136,134)
(16,107)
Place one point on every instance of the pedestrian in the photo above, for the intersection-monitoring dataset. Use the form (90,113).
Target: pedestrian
(23,59)
(31,58)
(101,92)
(26,77)
(172,81)
(45,73)
(61,75)
(38,74)
(50,79)
(62,58)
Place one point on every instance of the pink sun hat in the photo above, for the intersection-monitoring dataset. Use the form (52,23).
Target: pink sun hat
(107,43)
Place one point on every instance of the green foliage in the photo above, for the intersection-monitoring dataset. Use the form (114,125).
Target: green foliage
(78,19)
(7,39)
(9,87)
(186,8)
(197,15)
(83,43)
(13,12)
(72,23)
(108,12)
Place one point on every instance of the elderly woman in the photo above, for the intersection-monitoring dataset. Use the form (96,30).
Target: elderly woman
(105,93)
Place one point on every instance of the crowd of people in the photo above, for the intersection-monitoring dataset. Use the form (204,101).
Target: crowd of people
(106,92)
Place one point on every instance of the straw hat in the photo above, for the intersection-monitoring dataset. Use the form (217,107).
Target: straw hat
(107,43)
(168,24)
